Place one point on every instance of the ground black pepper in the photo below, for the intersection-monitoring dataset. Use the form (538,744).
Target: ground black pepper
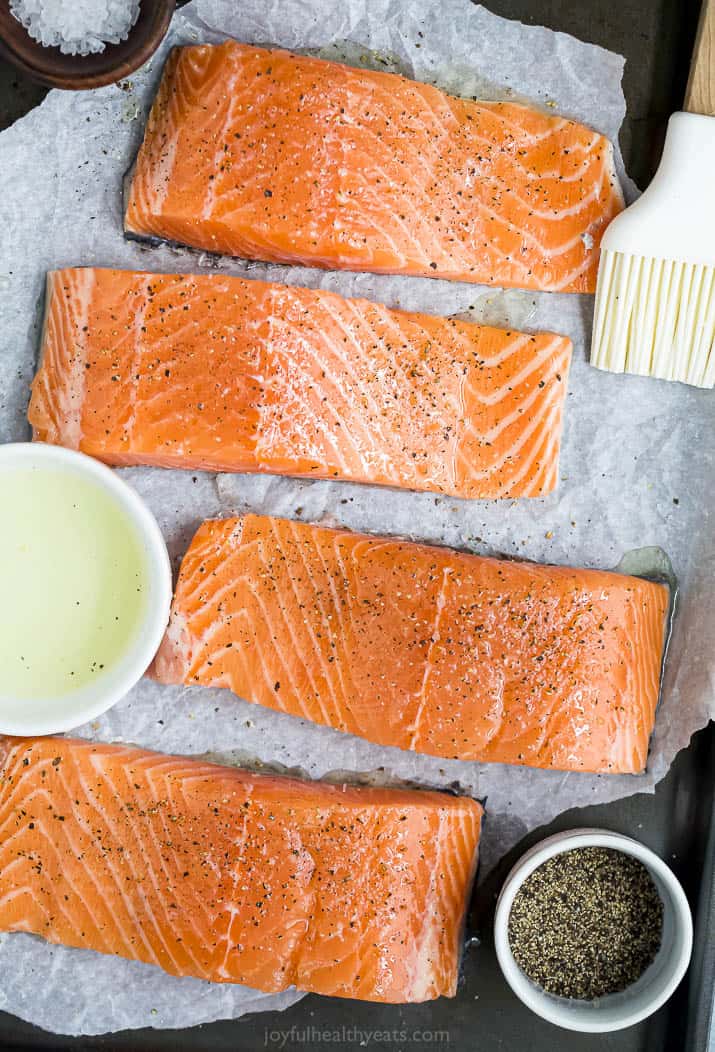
(586,923)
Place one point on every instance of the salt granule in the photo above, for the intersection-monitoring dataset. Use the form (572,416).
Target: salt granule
(77,27)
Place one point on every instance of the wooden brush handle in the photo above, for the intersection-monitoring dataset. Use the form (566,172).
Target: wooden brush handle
(700,93)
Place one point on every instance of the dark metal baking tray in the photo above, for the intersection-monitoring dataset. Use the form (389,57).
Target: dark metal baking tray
(678,822)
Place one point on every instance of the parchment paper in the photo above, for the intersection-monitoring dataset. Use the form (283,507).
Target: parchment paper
(636,467)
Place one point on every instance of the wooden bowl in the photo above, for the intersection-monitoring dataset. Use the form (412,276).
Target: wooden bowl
(49,66)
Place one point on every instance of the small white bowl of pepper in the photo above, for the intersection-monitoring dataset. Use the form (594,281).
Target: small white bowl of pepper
(592,930)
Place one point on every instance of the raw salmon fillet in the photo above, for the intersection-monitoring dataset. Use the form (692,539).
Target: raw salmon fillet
(269,155)
(421,647)
(230,876)
(231,375)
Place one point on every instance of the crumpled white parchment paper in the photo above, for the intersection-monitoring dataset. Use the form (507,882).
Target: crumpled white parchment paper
(637,465)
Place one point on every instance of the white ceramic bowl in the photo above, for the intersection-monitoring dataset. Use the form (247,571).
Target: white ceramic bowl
(651,990)
(51,716)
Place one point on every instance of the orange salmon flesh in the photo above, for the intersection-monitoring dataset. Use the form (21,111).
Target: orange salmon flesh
(420,647)
(231,375)
(230,876)
(269,155)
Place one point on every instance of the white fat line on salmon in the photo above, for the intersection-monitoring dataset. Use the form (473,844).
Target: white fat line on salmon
(69,313)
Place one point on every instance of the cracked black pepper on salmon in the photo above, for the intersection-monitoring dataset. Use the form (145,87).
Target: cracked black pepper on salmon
(421,647)
(214,372)
(231,876)
(271,155)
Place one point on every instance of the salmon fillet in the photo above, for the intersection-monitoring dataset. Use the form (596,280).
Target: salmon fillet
(421,647)
(231,375)
(230,876)
(275,156)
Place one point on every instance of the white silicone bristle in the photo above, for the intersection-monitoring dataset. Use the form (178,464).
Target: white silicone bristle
(655,317)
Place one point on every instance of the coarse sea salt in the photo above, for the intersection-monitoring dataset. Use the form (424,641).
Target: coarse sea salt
(76,27)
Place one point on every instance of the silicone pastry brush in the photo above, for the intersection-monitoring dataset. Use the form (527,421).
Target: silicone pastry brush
(655,298)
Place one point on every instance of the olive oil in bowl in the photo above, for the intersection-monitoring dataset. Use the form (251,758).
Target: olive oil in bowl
(85,587)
